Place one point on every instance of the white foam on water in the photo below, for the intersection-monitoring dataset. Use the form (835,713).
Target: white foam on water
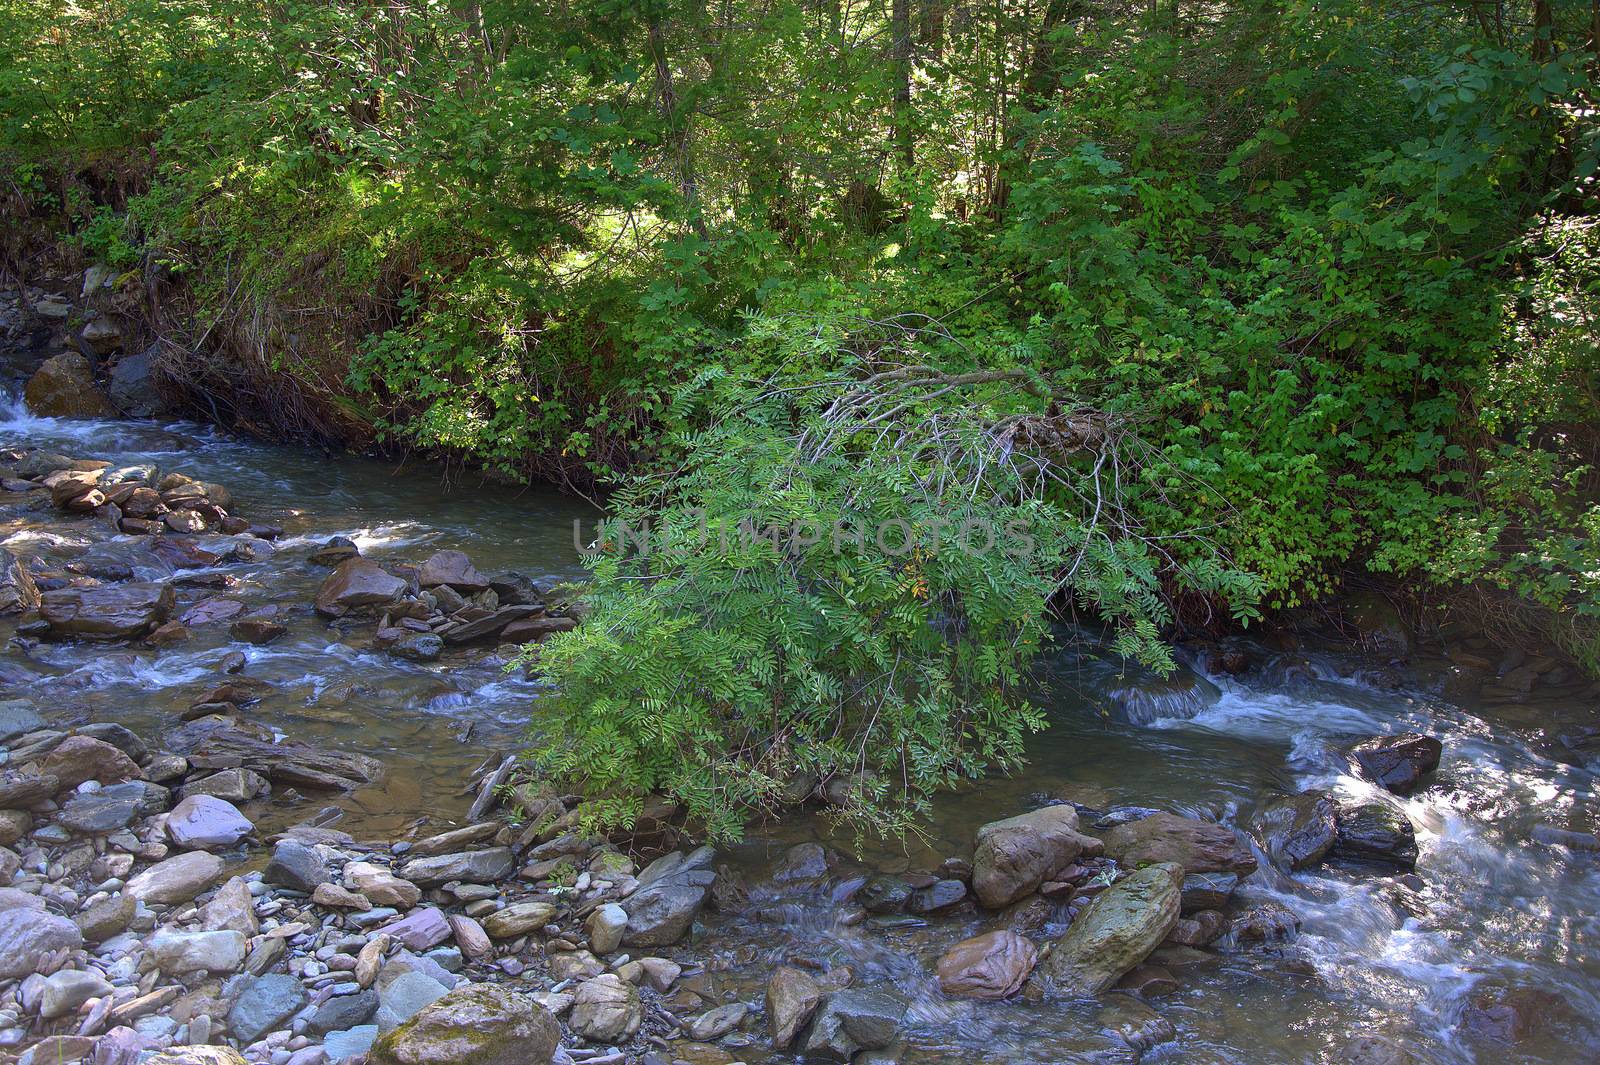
(140,671)
(1274,715)
(368,538)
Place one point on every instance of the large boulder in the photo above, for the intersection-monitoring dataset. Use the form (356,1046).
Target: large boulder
(993,965)
(133,385)
(28,934)
(64,387)
(357,583)
(107,612)
(1013,857)
(1297,831)
(670,893)
(1197,846)
(792,999)
(849,1022)
(1116,931)
(479,1024)
(1376,833)
(1396,762)
(606,1009)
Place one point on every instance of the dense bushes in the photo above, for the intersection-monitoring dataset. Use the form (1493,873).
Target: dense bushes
(1330,266)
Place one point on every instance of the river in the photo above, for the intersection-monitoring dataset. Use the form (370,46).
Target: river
(1496,909)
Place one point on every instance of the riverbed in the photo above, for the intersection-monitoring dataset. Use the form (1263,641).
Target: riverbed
(1496,912)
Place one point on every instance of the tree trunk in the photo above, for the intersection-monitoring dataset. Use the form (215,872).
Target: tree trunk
(1036,86)
(904,137)
(677,129)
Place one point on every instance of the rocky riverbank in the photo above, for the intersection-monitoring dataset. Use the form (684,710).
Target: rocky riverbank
(143,910)
(134,919)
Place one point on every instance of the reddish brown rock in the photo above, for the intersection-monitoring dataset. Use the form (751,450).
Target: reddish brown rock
(993,965)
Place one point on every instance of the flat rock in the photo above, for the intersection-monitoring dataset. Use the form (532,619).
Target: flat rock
(1197,846)
(97,813)
(177,879)
(27,935)
(187,952)
(344,1011)
(403,997)
(265,1004)
(476,867)
(225,746)
(18,718)
(107,612)
(27,789)
(420,929)
(519,919)
(453,568)
(196,1055)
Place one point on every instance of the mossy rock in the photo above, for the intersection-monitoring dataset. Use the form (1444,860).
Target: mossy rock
(479,1024)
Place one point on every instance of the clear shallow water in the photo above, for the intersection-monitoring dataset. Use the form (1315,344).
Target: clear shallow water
(1497,909)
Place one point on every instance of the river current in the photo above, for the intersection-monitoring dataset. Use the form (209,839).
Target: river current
(1497,911)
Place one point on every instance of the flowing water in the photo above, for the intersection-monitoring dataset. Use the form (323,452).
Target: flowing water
(1496,909)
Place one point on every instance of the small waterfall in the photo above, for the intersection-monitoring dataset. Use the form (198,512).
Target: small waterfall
(1147,700)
